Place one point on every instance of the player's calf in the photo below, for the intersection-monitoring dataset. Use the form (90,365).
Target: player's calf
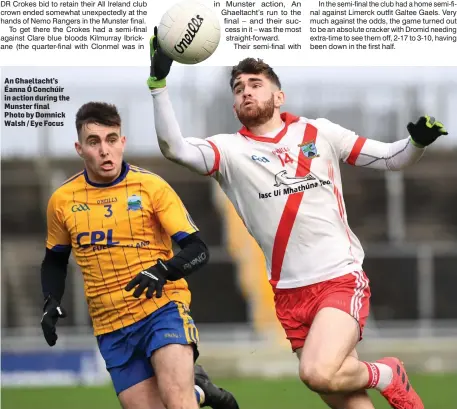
(352,400)
(321,378)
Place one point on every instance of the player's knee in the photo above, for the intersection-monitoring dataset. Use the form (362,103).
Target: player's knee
(316,378)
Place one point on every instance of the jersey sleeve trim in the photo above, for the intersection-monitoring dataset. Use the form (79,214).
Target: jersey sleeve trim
(217,159)
(61,248)
(179,236)
(356,149)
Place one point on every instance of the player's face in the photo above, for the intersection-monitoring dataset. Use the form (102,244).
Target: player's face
(256,99)
(102,148)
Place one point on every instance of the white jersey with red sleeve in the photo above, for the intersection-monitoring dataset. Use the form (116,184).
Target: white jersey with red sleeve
(287,189)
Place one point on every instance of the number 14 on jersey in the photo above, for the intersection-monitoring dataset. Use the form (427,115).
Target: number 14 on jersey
(285,158)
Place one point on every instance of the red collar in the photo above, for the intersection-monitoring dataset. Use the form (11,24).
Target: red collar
(285,116)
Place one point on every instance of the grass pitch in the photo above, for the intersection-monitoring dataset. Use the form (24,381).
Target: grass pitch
(437,392)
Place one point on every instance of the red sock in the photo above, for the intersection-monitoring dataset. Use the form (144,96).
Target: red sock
(373,375)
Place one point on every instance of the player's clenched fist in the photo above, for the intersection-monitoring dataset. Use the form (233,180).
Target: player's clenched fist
(52,311)
(153,279)
(425,131)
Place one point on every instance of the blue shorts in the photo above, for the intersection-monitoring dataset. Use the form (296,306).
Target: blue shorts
(127,351)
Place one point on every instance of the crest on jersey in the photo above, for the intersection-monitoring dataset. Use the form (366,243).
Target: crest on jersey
(134,203)
(309,150)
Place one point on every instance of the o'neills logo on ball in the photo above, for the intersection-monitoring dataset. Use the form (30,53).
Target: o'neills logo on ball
(192,29)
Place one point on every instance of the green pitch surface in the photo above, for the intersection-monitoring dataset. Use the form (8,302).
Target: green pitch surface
(437,391)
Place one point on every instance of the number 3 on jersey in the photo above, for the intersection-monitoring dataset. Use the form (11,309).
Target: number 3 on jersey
(109,212)
(285,158)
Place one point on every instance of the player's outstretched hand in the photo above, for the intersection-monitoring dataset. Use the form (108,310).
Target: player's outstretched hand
(153,279)
(52,311)
(425,131)
(160,64)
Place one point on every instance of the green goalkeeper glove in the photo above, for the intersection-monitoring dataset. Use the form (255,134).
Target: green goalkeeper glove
(425,131)
(160,64)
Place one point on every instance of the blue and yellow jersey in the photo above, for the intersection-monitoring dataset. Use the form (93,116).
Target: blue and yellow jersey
(115,231)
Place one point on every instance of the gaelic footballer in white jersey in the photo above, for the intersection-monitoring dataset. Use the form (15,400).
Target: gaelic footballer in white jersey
(282,174)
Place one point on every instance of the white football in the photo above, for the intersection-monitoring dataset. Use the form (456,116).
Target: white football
(189,32)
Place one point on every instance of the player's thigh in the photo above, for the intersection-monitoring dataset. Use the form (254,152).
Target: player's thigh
(174,368)
(332,336)
(338,324)
(171,344)
(143,395)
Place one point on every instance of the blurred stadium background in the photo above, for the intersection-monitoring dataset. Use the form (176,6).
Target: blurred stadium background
(407,222)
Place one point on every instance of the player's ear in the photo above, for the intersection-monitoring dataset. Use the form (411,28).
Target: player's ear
(123,141)
(279,98)
(79,149)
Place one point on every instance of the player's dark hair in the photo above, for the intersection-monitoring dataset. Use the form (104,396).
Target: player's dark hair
(100,113)
(253,66)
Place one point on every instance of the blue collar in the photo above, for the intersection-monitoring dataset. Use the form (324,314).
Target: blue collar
(120,178)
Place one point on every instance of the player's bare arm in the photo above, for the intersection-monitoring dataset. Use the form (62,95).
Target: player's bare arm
(193,153)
